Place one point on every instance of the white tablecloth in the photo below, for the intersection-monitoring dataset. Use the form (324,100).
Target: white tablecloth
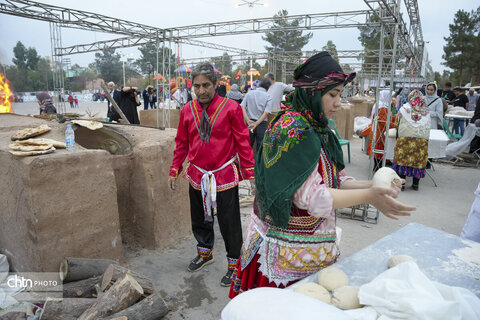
(456,116)
(437,144)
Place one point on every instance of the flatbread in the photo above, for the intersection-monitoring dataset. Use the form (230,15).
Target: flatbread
(30,132)
(40,141)
(31,153)
(19,147)
(90,124)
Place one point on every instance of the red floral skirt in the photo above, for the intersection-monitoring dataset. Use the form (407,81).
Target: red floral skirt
(250,278)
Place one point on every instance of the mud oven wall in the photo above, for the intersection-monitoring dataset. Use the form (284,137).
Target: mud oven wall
(84,204)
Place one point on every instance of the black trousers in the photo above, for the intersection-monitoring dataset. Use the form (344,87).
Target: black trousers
(228,214)
(257,134)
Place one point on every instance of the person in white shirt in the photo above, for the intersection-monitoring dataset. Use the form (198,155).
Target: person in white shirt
(256,107)
(277,90)
(180,96)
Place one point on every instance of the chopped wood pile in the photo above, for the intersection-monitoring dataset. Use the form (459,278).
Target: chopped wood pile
(102,289)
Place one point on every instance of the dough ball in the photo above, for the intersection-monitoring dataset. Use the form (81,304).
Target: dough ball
(314,290)
(396,260)
(346,298)
(384,177)
(332,278)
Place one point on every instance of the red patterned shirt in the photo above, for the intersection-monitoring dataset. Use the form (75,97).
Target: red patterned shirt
(229,137)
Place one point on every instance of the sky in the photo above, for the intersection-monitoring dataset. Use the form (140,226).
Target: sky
(435,19)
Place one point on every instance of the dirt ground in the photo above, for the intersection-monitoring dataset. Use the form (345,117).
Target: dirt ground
(200,296)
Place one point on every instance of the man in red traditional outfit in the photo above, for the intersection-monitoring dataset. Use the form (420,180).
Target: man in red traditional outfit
(212,133)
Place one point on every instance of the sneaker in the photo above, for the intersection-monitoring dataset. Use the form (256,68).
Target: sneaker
(227,279)
(198,263)
(415,187)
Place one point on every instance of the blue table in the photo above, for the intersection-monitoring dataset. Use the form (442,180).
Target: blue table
(441,256)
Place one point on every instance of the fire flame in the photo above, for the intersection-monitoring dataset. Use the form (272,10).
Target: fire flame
(5,96)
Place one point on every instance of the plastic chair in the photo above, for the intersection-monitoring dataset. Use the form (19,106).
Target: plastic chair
(332,125)
(450,134)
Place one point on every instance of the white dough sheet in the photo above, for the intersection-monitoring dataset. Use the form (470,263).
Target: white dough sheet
(404,292)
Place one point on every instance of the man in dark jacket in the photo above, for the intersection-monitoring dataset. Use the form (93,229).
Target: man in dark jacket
(115,94)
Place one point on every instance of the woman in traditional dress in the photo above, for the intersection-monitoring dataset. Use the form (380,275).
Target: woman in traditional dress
(411,148)
(300,182)
(383,105)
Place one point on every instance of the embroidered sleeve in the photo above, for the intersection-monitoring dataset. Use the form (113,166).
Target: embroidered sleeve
(314,196)
(242,143)
(181,146)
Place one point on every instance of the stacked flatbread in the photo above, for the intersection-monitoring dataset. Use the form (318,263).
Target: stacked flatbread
(30,132)
(35,147)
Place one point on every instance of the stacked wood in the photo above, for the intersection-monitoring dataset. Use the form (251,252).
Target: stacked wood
(82,289)
(66,309)
(151,308)
(115,272)
(102,289)
(74,269)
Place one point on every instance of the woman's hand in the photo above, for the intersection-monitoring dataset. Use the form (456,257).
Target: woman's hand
(396,187)
(382,199)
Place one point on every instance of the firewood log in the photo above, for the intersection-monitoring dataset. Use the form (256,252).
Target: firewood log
(115,271)
(74,269)
(66,309)
(151,308)
(82,288)
(124,293)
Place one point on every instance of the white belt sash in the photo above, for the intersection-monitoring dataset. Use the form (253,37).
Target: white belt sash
(209,189)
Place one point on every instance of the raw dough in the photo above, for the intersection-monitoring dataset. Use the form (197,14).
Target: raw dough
(396,260)
(346,298)
(314,290)
(384,177)
(332,278)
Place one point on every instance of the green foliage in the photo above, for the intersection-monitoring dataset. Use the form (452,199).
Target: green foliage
(25,59)
(332,49)
(223,63)
(459,51)
(109,66)
(370,40)
(285,36)
(148,59)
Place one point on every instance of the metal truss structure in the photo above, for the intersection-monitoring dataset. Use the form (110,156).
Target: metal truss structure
(405,51)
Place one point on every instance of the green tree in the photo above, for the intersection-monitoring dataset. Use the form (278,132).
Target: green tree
(25,59)
(370,40)
(109,66)
(285,36)
(332,49)
(148,59)
(223,63)
(459,44)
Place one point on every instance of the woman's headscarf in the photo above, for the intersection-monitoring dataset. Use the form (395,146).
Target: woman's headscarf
(45,102)
(428,98)
(416,110)
(297,137)
(234,93)
(385,102)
